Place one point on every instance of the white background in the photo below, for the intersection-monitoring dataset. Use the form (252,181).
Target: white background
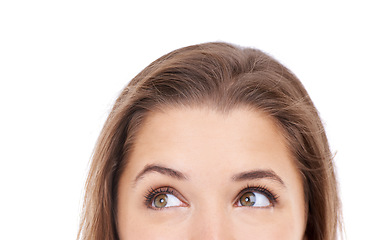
(63,63)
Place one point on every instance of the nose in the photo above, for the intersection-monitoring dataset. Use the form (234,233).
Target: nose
(211,224)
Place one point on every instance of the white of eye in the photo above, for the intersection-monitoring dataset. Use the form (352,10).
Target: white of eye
(173,201)
(261,200)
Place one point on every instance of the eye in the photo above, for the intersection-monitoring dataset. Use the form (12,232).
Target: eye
(256,197)
(253,199)
(165,200)
(164,197)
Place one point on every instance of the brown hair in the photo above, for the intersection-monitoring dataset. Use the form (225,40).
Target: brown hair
(221,76)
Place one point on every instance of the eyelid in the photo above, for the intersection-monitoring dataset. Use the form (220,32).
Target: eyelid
(153,192)
(273,198)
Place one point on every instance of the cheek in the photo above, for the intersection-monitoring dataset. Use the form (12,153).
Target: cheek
(269,226)
(275,225)
(287,228)
(141,228)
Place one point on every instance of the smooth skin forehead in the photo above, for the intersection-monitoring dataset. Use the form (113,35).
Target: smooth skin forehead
(209,148)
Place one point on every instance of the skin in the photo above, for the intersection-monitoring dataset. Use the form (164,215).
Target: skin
(209,149)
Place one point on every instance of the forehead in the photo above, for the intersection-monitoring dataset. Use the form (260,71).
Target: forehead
(193,139)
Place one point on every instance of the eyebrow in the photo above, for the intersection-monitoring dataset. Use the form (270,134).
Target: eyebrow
(248,175)
(162,170)
(257,174)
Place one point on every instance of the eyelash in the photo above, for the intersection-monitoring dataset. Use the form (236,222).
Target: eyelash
(152,193)
(260,189)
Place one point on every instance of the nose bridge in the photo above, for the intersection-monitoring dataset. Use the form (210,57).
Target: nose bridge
(211,222)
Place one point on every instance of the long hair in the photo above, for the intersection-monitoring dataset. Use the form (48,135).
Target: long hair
(221,76)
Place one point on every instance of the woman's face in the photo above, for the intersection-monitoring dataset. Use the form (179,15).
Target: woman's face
(199,174)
